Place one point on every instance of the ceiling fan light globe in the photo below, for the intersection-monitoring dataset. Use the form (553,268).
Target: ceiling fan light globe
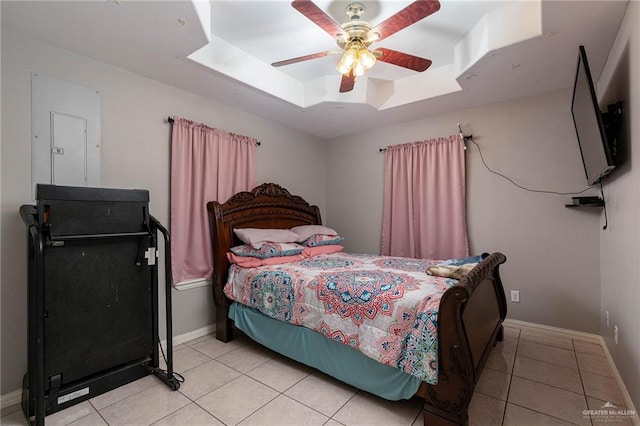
(343,68)
(366,58)
(350,57)
(358,69)
(371,37)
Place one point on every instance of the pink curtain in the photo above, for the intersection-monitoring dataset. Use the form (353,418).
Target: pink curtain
(424,200)
(207,164)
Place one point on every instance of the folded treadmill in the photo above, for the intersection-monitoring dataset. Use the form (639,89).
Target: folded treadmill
(92,296)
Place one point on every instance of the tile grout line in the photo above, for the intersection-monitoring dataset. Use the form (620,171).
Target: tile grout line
(555,365)
(311,408)
(548,362)
(178,409)
(506,403)
(551,386)
(586,399)
(118,388)
(287,396)
(259,408)
(102,417)
(344,405)
(546,414)
(203,409)
(98,411)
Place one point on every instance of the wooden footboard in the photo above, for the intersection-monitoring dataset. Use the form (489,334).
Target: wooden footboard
(469,324)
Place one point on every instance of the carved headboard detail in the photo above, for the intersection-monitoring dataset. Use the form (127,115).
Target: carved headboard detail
(266,206)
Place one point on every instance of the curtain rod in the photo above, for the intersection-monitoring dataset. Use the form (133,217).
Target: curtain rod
(170,120)
(464,139)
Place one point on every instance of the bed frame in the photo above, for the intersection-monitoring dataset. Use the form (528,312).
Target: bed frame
(470,316)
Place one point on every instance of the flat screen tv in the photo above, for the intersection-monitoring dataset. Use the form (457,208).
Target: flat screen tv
(590,126)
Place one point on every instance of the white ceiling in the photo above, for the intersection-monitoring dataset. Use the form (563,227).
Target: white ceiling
(482,52)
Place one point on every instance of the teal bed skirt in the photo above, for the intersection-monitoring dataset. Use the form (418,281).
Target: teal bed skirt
(333,358)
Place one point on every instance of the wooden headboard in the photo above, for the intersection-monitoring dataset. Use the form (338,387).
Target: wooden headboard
(266,206)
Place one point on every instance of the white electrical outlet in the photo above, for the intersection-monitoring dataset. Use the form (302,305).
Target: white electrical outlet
(606,318)
(515,296)
(615,334)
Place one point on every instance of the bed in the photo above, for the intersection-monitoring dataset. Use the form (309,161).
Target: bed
(470,312)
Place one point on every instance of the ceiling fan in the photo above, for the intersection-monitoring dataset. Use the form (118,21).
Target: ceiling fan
(355,36)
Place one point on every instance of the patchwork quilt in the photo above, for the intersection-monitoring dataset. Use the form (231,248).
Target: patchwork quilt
(385,307)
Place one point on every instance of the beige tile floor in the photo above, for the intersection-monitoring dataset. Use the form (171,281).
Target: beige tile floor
(532,378)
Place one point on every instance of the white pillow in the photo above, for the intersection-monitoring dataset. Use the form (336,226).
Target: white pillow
(306,231)
(257,236)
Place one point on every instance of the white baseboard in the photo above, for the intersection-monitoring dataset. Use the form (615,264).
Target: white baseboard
(583,336)
(625,394)
(12,398)
(191,335)
(188,285)
(15,397)
(571,333)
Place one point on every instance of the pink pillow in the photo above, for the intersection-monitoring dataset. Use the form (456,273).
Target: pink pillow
(306,231)
(314,251)
(254,262)
(256,236)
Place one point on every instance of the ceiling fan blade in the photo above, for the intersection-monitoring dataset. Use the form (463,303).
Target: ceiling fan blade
(317,16)
(402,59)
(416,11)
(347,83)
(304,58)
